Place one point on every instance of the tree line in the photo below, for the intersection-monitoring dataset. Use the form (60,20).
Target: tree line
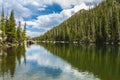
(10,32)
(100,24)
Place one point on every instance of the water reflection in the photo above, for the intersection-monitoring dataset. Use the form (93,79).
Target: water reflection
(60,62)
(103,61)
(51,67)
(8,59)
(36,63)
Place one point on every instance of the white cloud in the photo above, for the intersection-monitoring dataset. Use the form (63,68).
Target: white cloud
(33,33)
(41,9)
(20,10)
(0,1)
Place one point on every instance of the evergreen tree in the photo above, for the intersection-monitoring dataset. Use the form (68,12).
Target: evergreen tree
(19,33)
(11,31)
(24,31)
(2,24)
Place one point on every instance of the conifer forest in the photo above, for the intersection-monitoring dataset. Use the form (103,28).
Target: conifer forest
(100,24)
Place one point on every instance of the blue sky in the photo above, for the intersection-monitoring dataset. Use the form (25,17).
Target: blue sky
(42,15)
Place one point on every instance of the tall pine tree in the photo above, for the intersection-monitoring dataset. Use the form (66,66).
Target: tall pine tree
(24,31)
(19,33)
(2,24)
(11,31)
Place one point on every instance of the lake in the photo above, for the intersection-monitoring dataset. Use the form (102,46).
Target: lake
(60,62)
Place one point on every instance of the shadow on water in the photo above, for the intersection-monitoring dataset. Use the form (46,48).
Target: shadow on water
(9,57)
(103,61)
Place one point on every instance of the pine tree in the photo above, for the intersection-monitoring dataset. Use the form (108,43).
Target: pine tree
(11,31)
(24,31)
(19,33)
(2,24)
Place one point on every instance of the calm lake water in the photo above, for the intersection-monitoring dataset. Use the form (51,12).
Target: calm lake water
(60,62)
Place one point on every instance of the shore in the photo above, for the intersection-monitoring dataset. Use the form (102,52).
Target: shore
(77,42)
(6,44)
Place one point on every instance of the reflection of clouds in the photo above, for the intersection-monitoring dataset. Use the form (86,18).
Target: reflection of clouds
(41,65)
(44,58)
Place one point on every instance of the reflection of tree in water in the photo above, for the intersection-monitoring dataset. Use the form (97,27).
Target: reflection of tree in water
(9,58)
(103,61)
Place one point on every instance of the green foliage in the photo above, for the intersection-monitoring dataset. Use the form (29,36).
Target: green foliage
(9,31)
(100,24)
(19,33)
(24,31)
(2,24)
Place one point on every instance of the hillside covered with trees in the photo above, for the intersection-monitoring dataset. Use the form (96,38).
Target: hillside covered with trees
(9,31)
(100,24)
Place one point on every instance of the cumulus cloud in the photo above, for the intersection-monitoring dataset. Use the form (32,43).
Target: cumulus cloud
(33,33)
(20,10)
(51,20)
(29,8)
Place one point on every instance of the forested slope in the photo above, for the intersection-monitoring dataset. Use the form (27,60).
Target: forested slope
(100,24)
